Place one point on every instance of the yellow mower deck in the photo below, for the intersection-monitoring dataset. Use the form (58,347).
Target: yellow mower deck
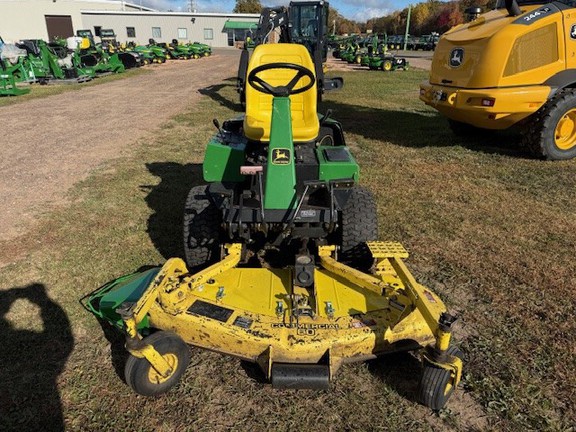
(258,315)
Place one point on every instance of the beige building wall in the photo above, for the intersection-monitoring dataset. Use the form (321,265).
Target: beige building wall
(25,19)
(194,27)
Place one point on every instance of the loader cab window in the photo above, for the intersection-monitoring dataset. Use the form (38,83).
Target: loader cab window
(308,25)
(305,23)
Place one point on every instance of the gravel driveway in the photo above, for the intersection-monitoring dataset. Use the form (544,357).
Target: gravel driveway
(49,144)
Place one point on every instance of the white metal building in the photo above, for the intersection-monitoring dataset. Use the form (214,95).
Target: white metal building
(215,29)
(46,19)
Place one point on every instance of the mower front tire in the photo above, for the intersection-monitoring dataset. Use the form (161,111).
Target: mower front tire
(144,379)
(359,224)
(201,230)
(436,384)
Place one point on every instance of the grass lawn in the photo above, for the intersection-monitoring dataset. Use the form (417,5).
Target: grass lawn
(490,229)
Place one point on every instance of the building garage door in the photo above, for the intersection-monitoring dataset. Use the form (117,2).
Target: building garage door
(59,26)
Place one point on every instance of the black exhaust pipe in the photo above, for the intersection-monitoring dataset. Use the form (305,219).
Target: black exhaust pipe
(512,8)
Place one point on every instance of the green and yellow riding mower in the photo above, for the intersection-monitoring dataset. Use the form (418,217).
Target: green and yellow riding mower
(204,50)
(280,269)
(172,51)
(110,46)
(159,54)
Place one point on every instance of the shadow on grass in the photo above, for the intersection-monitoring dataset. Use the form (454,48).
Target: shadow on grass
(403,128)
(31,361)
(167,200)
(400,371)
(416,130)
(213,92)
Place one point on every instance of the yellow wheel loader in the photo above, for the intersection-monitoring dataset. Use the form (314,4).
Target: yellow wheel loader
(515,65)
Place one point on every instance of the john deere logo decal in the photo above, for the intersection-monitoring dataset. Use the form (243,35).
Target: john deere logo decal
(281,156)
(456,57)
(573,31)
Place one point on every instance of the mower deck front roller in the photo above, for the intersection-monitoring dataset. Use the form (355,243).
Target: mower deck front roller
(298,336)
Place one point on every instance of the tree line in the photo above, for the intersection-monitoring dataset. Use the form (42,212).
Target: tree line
(425,17)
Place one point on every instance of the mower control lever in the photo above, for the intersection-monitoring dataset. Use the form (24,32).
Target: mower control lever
(285,90)
(217,124)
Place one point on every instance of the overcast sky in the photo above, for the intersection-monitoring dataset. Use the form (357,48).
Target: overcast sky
(359,10)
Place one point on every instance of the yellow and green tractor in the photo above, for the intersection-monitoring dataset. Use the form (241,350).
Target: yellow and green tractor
(283,266)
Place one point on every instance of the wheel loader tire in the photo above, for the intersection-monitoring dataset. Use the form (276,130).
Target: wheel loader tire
(359,225)
(435,386)
(552,132)
(201,230)
(144,379)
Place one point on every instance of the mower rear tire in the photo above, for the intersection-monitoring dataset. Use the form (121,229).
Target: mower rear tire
(387,65)
(144,379)
(436,384)
(359,224)
(201,230)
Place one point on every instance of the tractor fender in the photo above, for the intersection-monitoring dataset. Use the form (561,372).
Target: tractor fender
(560,81)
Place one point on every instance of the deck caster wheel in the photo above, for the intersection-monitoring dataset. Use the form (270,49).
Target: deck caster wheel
(436,385)
(144,379)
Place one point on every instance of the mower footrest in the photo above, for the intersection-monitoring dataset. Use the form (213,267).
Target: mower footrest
(300,376)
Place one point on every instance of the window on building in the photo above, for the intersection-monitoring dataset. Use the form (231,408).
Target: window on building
(182,33)
(130,32)
(97,30)
(208,34)
(156,32)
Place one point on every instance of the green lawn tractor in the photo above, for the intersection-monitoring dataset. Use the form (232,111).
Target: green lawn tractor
(149,54)
(279,270)
(160,52)
(377,56)
(110,45)
(172,52)
(386,62)
(204,50)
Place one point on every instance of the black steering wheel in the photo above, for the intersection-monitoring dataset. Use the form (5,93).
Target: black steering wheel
(281,91)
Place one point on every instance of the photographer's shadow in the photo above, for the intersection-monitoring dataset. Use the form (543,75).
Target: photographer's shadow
(31,359)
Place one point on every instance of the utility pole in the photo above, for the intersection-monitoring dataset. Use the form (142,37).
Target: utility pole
(406,33)
(192,6)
